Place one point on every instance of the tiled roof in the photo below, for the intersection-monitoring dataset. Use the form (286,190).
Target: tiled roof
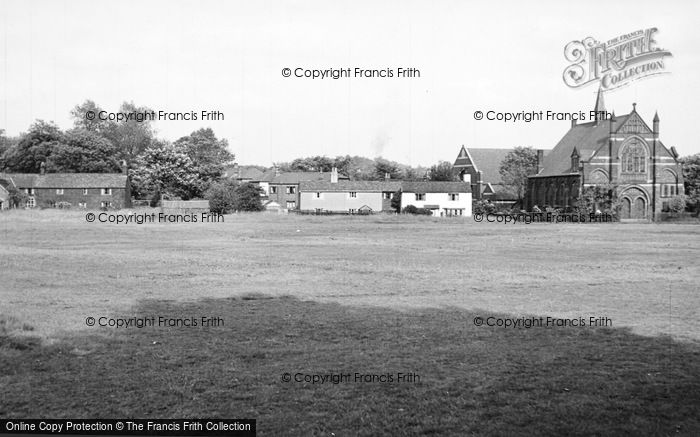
(436,187)
(487,161)
(5,183)
(67,180)
(387,186)
(243,172)
(587,138)
(251,173)
(345,185)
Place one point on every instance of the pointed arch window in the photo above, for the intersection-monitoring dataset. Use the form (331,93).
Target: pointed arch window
(633,158)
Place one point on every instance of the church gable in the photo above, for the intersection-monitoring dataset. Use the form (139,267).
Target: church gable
(463,159)
(634,125)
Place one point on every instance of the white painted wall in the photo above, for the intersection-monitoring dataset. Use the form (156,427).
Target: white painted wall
(441,199)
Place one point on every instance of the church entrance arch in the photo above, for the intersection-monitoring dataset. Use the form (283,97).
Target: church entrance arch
(634,204)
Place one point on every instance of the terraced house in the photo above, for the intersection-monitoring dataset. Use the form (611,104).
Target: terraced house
(358,197)
(74,190)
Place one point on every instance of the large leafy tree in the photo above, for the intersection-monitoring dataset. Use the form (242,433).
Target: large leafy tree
(209,155)
(442,171)
(131,138)
(516,167)
(33,148)
(222,196)
(247,198)
(79,113)
(84,151)
(691,178)
(166,169)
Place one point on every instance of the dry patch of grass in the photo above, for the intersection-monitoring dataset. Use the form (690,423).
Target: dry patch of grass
(473,381)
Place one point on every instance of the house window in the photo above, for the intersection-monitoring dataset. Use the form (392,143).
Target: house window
(82,205)
(291,204)
(318,195)
(454,196)
(352,211)
(450,212)
(29,191)
(106,204)
(353,194)
(291,190)
(85,191)
(273,190)
(59,191)
(106,191)
(420,196)
(387,195)
(31,202)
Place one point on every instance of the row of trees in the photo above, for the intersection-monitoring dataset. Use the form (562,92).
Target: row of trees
(361,168)
(184,169)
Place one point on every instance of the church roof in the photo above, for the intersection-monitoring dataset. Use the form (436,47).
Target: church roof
(586,138)
(485,160)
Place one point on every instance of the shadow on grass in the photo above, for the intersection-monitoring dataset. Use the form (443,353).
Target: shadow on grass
(463,379)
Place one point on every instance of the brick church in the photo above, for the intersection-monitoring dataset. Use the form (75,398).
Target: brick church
(617,151)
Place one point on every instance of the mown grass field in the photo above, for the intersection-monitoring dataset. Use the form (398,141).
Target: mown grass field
(370,295)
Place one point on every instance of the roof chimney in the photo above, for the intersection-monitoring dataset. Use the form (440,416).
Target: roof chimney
(42,168)
(125,168)
(387,176)
(540,160)
(334,175)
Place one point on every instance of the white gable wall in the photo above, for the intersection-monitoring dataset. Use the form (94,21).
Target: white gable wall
(441,199)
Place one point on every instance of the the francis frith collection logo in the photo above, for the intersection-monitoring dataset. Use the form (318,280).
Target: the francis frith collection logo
(616,62)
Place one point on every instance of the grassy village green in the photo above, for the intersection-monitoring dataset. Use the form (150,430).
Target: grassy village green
(375,295)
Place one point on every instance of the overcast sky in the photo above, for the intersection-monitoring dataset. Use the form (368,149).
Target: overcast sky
(181,56)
